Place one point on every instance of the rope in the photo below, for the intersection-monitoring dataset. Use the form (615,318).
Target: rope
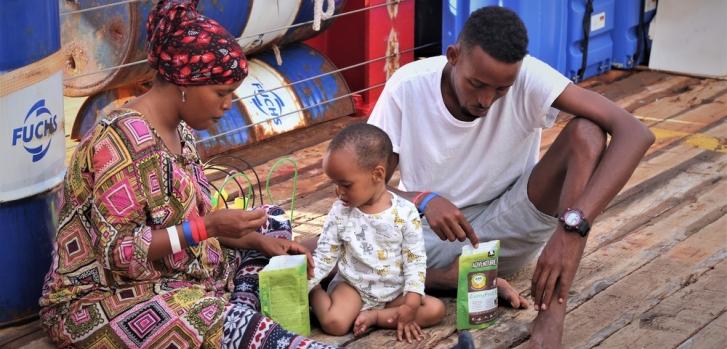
(31,74)
(295,183)
(278,57)
(319,15)
(98,7)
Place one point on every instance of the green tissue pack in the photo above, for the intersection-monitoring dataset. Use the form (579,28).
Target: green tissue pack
(284,292)
(477,286)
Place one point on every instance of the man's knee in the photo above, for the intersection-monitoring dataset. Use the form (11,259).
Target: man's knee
(587,138)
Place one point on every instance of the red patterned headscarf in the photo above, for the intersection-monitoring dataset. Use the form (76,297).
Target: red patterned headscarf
(187,48)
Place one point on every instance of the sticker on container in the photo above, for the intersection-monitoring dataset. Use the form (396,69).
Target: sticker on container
(598,21)
(650,5)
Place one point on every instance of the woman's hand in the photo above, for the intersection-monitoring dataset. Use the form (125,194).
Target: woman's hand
(233,223)
(270,246)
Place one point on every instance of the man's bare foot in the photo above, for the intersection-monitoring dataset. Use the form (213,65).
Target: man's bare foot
(510,295)
(547,331)
(365,320)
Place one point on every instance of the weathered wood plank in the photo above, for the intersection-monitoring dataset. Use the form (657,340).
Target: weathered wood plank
(677,317)
(714,335)
(654,200)
(622,302)
(612,262)
(636,91)
(432,335)
(28,336)
(289,142)
(667,107)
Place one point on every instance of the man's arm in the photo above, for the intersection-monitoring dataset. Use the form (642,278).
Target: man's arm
(390,169)
(630,139)
(445,219)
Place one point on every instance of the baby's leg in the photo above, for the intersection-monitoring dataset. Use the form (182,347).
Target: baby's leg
(336,312)
(430,312)
(384,318)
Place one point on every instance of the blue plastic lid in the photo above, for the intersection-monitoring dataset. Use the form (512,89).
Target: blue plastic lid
(29,31)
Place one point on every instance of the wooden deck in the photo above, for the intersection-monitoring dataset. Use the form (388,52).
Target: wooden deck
(654,272)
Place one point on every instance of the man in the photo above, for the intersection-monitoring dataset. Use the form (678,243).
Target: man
(466,132)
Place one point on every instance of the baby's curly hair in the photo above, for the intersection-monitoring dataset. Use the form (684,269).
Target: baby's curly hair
(498,31)
(371,145)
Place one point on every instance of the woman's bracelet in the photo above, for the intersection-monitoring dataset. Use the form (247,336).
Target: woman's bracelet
(174,239)
(201,228)
(188,234)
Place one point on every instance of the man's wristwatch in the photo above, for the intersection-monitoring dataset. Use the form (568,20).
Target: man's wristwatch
(574,220)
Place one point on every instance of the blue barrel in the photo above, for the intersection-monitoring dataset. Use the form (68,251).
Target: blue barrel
(629,49)
(116,35)
(599,41)
(299,31)
(261,109)
(32,144)
(268,109)
(234,119)
(94,106)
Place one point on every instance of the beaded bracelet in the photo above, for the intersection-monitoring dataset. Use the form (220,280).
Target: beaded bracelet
(425,202)
(188,234)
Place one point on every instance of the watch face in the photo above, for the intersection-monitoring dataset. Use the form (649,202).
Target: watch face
(572,218)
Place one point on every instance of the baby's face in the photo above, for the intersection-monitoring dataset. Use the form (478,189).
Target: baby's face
(355,186)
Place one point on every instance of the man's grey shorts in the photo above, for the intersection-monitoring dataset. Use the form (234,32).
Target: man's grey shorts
(511,218)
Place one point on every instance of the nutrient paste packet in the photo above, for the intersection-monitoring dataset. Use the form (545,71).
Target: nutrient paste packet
(477,287)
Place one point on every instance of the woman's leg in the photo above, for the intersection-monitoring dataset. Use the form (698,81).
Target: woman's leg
(245,326)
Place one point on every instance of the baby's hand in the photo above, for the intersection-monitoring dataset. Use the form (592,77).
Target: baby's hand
(406,328)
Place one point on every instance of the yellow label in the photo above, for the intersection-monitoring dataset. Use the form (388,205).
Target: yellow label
(478,281)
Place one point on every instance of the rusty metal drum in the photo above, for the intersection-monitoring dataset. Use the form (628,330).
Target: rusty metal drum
(104,40)
(304,90)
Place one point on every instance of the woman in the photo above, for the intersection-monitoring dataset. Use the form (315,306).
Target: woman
(140,261)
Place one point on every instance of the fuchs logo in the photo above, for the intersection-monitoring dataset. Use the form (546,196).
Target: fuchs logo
(268,102)
(39,125)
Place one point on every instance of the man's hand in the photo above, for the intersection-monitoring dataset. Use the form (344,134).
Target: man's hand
(556,267)
(270,246)
(406,328)
(448,222)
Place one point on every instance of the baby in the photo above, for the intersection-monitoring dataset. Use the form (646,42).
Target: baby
(374,237)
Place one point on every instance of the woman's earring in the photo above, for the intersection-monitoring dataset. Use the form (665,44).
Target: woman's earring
(184,97)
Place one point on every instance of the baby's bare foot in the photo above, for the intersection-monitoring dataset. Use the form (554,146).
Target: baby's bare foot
(364,321)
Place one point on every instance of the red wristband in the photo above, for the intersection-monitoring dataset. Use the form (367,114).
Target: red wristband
(416,198)
(202,229)
(195,231)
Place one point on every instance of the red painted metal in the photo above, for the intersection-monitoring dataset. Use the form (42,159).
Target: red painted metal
(364,36)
